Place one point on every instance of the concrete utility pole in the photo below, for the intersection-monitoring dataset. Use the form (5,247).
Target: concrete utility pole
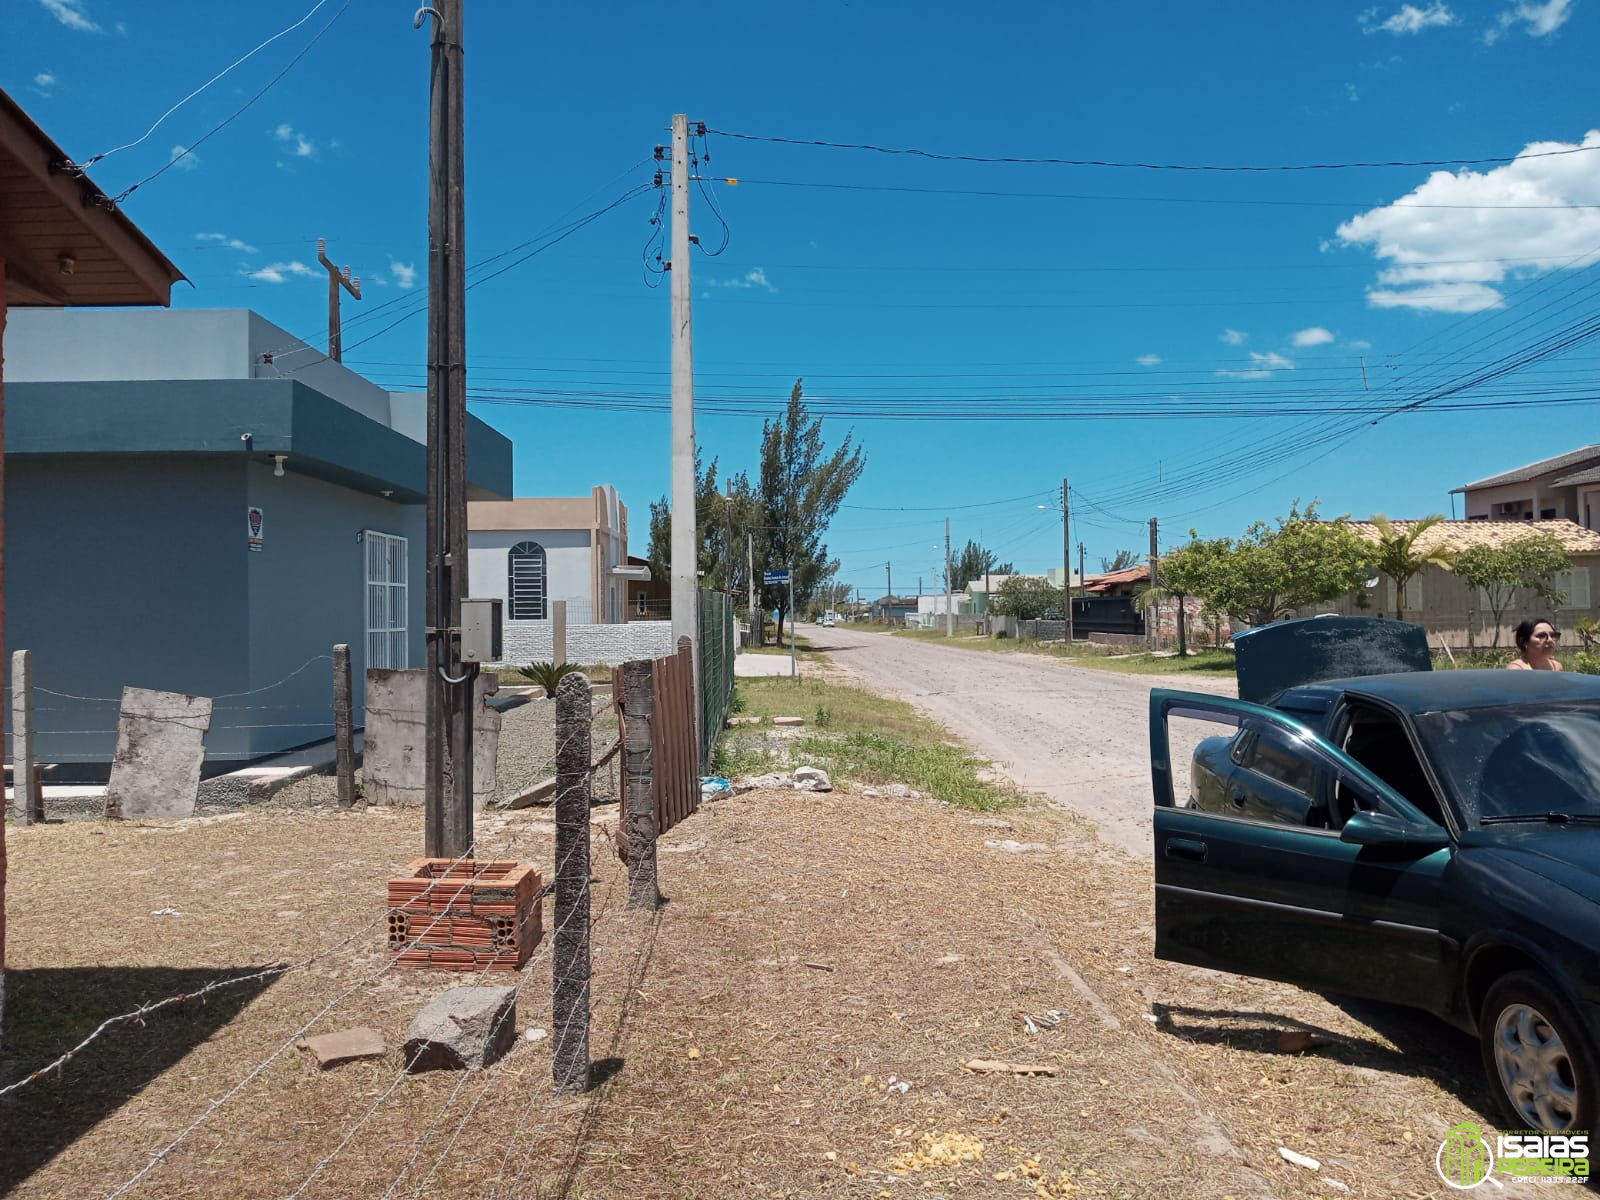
(949,591)
(1066,558)
(727,542)
(448,755)
(888,583)
(685,585)
(750,573)
(1080,564)
(336,280)
(1154,632)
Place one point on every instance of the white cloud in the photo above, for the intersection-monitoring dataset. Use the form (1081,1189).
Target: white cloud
(70,13)
(1315,336)
(1148,360)
(282,272)
(756,277)
(303,147)
(1233,337)
(183,158)
(222,239)
(1359,344)
(405,274)
(44,82)
(1408,19)
(1541,20)
(1261,366)
(1451,242)
(1352,93)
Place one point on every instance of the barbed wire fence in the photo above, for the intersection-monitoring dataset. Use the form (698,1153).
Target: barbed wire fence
(568,949)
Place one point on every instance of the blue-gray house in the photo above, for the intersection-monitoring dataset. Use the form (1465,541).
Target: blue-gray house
(199,502)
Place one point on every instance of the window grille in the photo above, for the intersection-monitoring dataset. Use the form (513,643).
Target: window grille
(527,593)
(386,600)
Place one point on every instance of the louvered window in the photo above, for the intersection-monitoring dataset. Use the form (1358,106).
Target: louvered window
(526,587)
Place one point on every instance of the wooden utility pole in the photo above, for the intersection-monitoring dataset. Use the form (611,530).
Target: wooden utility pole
(949,591)
(1066,559)
(448,757)
(336,280)
(685,527)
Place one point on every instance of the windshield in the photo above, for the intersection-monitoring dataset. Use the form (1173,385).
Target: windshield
(1516,760)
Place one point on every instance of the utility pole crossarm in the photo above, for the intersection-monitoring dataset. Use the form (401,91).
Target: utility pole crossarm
(336,279)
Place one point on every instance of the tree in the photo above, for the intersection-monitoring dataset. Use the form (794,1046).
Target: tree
(801,487)
(973,563)
(1190,570)
(1025,598)
(723,522)
(1530,562)
(1120,562)
(1271,572)
(1397,556)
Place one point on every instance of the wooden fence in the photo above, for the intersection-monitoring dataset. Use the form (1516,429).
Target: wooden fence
(658,695)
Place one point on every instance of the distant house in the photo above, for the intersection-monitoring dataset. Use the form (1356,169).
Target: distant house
(936,604)
(649,593)
(1118,583)
(532,551)
(200,502)
(894,609)
(1566,487)
(1458,615)
(985,587)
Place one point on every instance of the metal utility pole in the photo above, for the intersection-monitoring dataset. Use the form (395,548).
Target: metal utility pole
(685,585)
(448,756)
(949,592)
(1066,558)
(336,280)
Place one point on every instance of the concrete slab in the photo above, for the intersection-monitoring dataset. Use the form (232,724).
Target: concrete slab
(756,666)
(393,763)
(161,743)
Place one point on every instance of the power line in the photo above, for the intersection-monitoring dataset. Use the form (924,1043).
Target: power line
(938,156)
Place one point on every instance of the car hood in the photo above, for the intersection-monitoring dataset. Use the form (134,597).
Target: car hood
(1568,856)
(1270,658)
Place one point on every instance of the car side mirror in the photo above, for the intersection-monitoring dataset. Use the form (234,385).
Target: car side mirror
(1384,829)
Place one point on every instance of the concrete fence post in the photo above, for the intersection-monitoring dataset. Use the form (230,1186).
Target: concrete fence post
(27,804)
(558,632)
(638,763)
(570,964)
(344,751)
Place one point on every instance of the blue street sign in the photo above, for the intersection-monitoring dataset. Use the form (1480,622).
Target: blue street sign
(774,577)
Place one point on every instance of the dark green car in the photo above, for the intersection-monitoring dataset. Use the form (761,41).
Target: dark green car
(1430,839)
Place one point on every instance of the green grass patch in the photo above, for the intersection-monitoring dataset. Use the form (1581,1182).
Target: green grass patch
(854,734)
(1200,662)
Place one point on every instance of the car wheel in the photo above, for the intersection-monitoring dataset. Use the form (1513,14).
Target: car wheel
(1538,1056)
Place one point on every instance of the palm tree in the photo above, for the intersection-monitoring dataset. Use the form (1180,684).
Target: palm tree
(1397,556)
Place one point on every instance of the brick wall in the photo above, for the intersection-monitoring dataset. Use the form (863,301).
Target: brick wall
(588,645)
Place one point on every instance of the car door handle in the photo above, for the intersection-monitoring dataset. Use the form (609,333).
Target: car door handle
(1238,797)
(1186,848)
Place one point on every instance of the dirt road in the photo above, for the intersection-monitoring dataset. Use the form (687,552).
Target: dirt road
(1075,735)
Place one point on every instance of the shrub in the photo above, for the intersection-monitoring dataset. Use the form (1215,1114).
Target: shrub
(548,675)
(1588,662)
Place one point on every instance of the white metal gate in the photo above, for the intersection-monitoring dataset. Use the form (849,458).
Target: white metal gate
(386,600)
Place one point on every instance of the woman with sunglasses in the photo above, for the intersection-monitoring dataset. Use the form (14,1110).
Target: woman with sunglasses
(1536,642)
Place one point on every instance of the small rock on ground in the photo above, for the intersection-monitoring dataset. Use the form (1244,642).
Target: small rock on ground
(462,1029)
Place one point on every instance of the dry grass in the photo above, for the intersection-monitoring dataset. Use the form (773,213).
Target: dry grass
(813,947)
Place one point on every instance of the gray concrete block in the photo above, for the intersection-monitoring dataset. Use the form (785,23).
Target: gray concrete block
(161,743)
(394,755)
(462,1029)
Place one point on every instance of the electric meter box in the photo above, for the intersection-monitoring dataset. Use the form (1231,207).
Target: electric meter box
(480,631)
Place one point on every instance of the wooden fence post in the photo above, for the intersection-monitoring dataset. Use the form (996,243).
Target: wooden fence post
(344,753)
(27,799)
(638,762)
(570,964)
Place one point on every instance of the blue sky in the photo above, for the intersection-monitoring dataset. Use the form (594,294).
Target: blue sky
(1204,346)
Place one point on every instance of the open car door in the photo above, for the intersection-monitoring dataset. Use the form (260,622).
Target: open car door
(1347,900)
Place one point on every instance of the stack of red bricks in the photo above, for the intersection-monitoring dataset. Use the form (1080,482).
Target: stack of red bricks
(465,915)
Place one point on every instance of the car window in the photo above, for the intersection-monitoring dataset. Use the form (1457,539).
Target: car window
(1511,760)
(1271,754)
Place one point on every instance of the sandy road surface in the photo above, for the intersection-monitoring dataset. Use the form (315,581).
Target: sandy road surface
(1078,736)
